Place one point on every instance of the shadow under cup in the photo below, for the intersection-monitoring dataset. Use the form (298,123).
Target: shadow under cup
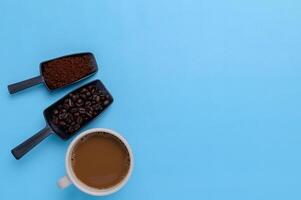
(98,162)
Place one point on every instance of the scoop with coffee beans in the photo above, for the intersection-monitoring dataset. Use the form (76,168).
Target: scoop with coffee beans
(70,114)
(79,107)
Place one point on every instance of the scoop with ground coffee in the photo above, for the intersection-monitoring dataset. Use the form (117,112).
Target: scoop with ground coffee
(60,72)
(68,69)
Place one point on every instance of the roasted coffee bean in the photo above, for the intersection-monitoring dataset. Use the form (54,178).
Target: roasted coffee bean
(76,114)
(83,96)
(79,102)
(88,108)
(70,103)
(88,103)
(82,110)
(97,98)
(55,120)
(62,116)
(94,97)
(75,97)
(84,90)
(62,123)
(68,121)
(106,102)
(88,114)
(55,112)
(66,106)
(97,92)
(69,118)
(79,120)
(73,110)
(76,127)
(96,107)
(70,129)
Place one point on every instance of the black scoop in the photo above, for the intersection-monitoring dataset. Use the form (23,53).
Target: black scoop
(60,72)
(69,114)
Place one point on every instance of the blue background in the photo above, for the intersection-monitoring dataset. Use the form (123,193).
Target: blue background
(207,92)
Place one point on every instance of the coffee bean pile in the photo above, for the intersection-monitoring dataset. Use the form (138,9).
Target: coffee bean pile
(80,107)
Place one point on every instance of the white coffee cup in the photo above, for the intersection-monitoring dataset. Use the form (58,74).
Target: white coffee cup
(71,178)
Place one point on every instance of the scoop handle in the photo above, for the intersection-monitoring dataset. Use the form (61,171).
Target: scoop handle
(20,150)
(16,87)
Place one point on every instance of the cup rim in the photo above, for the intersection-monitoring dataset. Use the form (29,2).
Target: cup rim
(85,188)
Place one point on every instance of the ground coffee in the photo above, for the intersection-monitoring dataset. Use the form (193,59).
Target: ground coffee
(68,69)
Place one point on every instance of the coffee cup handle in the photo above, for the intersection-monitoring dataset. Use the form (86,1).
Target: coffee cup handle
(64,182)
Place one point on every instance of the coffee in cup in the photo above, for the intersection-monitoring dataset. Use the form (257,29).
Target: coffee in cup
(98,162)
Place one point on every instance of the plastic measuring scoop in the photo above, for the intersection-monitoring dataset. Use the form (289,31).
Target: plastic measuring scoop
(69,114)
(60,72)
